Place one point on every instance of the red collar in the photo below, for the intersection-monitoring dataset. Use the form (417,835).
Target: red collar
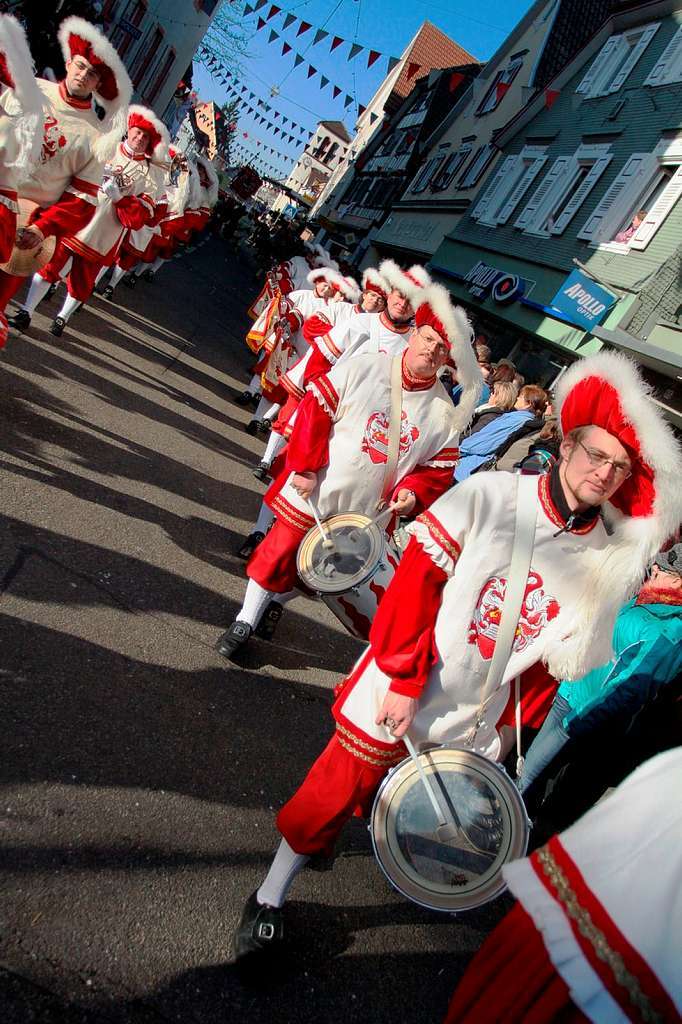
(357,308)
(655,595)
(395,328)
(552,512)
(412,383)
(72,100)
(129,155)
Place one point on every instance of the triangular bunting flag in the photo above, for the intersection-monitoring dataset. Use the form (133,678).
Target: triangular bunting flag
(303,27)
(501,90)
(273,35)
(289,20)
(248,10)
(373,55)
(412,69)
(298,59)
(324,81)
(335,92)
(285,49)
(272,12)
(348,100)
(259,4)
(311,71)
(456,79)
(252,95)
(260,24)
(373,118)
(361,109)
(275,131)
(354,50)
(551,95)
(336,41)
(319,36)
(284,119)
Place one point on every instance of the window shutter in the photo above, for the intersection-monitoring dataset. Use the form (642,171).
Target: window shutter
(424,171)
(669,67)
(622,192)
(576,201)
(523,184)
(637,51)
(556,171)
(599,63)
(658,212)
(506,168)
(476,169)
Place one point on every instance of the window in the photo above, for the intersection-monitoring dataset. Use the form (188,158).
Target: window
(508,186)
(159,79)
(649,182)
(615,61)
(563,190)
(133,12)
(484,154)
(406,142)
(318,152)
(504,77)
(454,163)
(669,66)
(425,173)
(144,56)
(389,145)
(331,153)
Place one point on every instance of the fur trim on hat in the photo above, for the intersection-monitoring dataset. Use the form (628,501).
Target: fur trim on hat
(325,261)
(398,280)
(373,280)
(460,335)
(114,123)
(420,273)
(322,274)
(213,188)
(160,147)
(349,288)
(26,105)
(579,639)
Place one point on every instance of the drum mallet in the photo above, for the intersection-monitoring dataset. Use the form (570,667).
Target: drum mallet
(445,830)
(327,542)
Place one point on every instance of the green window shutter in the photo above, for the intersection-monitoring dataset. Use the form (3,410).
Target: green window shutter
(576,201)
(559,168)
(658,212)
(621,194)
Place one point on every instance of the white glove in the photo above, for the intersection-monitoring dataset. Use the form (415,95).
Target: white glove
(111,190)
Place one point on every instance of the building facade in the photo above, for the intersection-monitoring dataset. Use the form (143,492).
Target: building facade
(317,162)
(573,241)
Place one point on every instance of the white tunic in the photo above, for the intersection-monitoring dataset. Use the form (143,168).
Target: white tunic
(357,398)
(306,303)
(469,533)
(140,239)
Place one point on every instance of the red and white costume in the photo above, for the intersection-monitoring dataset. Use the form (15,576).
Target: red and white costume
(207,196)
(597,930)
(437,648)
(138,243)
(76,143)
(290,276)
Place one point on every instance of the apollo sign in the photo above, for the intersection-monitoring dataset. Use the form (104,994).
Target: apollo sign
(582,301)
(483,280)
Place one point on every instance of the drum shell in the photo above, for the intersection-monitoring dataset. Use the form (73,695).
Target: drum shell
(23,262)
(356,608)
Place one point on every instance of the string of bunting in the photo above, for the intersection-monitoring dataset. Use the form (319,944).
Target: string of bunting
(268,147)
(289,20)
(264,118)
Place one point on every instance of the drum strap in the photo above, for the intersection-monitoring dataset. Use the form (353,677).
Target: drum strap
(522,552)
(395,415)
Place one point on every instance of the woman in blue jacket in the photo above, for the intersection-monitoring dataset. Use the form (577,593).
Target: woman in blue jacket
(647,641)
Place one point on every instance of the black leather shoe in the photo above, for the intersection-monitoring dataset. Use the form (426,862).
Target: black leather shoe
(268,624)
(148,276)
(264,426)
(253,428)
(244,398)
(108,292)
(255,399)
(129,280)
(233,639)
(250,544)
(262,471)
(260,930)
(58,325)
(20,321)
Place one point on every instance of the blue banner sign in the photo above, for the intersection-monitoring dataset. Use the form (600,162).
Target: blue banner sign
(582,301)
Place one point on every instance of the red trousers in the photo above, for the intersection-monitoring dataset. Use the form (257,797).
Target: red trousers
(80,280)
(511,980)
(127,259)
(337,787)
(9,286)
(273,563)
(8,229)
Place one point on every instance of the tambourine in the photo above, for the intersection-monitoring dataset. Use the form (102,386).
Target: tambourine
(23,262)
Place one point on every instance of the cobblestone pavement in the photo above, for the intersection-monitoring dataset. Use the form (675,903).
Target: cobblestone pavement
(139,770)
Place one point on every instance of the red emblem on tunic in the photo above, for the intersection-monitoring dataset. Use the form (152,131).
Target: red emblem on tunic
(52,139)
(375,439)
(537,610)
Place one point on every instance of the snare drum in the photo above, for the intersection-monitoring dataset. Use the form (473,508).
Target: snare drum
(351,577)
(492,829)
(23,262)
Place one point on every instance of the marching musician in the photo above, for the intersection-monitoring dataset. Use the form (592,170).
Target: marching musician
(339,448)
(76,144)
(435,631)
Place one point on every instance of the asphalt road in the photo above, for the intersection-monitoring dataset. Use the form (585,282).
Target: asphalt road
(140,772)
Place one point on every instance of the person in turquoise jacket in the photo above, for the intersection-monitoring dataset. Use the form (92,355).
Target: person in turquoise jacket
(647,644)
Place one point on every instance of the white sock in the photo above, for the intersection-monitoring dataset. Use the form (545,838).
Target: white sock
(118,273)
(283,871)
(256,600)
(70,306)
(274,446)
(265,519)
(271,413)
(263,406)
(158,263)
(36,293)
(101,275)
(254,384)
(140,269)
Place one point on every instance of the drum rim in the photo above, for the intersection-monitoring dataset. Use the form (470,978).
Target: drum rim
(520,824)
(314,533)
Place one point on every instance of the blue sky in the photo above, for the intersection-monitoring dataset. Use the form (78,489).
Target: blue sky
(377,24)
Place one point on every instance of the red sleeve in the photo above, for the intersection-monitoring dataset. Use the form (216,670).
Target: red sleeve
(428,483)
(402,634)
(160,211)
(315,326)
(65,217)
(309,444)
(316,366)
(133,213)
(294,319)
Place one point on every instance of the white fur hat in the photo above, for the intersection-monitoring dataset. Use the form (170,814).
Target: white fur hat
(373,281)
(146,119)
(26,104)
(408,282)
(324,274)
(214,185)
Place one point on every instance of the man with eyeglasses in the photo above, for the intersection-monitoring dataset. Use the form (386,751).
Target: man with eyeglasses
(435,631)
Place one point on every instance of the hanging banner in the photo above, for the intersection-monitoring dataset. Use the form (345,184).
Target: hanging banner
(582,301)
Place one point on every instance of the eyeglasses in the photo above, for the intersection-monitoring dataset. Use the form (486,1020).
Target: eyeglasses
(596,459)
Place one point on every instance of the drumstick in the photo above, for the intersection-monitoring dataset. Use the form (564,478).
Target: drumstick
(327,542)
(446,830)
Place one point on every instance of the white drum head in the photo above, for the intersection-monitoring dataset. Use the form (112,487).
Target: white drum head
(358,548)
(466,871)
